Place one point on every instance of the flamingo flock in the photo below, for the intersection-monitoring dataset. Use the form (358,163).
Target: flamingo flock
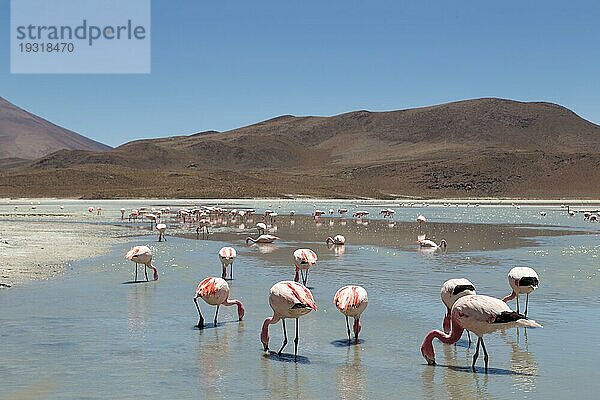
(465,309)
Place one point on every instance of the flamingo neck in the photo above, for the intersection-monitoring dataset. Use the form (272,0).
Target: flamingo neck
(451,338)
(446,323)
(509,297)
(357,326)
(155,271)
(240,307)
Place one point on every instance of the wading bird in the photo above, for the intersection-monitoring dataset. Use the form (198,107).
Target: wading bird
(337,239)
(262,239)
(452,290)
(522,280)
(288,300)
(480,315)
(351,300)
(142,255)
(161,228)
(215,292)
(304,259)
(227,256)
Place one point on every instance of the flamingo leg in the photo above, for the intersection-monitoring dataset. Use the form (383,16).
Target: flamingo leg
(216,313)
(200,317)
(306,277)
(348,330)
(469,336)
(284,338)
(231,271)
(296,342)
(476,355)
(526,303)
(517,303)
(224,274)
(485,354)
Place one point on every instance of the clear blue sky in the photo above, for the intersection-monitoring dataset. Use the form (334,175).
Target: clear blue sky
(223,64)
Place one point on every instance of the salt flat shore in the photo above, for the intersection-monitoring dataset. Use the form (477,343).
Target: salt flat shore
(42,249)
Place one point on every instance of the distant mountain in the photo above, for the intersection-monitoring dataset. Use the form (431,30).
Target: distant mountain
(24,135)
(473,148)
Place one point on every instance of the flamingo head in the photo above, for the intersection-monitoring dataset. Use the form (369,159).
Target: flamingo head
(428,352)
(155,272)
(241,311)
(264,334)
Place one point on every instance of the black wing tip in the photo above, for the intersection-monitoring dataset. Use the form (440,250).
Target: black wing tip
(508,316)
(529,281)
(461,288)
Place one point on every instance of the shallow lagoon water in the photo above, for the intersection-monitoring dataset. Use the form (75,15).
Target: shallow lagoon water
(88,335)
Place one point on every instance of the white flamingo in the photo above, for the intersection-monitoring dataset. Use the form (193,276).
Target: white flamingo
(351,301)
(227,256)
(336,240)
(522,280)
(480,315)
(452,290)
(142,255)
(304,259)
(288,300)
(262,239)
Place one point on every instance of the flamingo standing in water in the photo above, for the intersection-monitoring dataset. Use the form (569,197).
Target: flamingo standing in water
(288,300)
(142,255)
(342,211)
(161,228)
(428,243)
(480,315)
(522,280)
(262,239)
(215,292)
(421,220)
(303,260)
(227,256)
(262,227)
(337,239)
(452,290)
(122,213)
(351,300)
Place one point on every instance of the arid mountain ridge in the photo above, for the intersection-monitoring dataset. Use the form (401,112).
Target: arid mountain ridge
(27,136)
(472,148)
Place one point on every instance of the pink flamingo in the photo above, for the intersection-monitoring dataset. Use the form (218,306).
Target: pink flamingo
(303,260)
(452,290)
(142,255)
(351,300)
(337,239)
(288,300)
(215,292)
(480,315)
(161,228)
(262,239)
(227,256)
(522,280)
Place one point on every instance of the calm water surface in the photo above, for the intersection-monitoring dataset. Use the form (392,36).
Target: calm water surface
(88,335)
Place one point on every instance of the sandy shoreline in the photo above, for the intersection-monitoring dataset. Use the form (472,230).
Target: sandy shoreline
(42,249)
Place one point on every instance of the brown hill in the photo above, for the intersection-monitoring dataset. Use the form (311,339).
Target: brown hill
(483,147)
(27,136)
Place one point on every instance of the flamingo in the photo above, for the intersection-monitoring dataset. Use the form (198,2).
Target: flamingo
(288,300)
(351,300)
(317,213)
(122,213)
(227,256)
(342,211)
(142,255)
(262,239)
(90,209)
(161,228)
(522,280)
(480,315)
(452,290)
(331,211)
(215,292)
(428,243)
(337,239)
(303,260)
(360,214)
(152,218)
(262,227)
